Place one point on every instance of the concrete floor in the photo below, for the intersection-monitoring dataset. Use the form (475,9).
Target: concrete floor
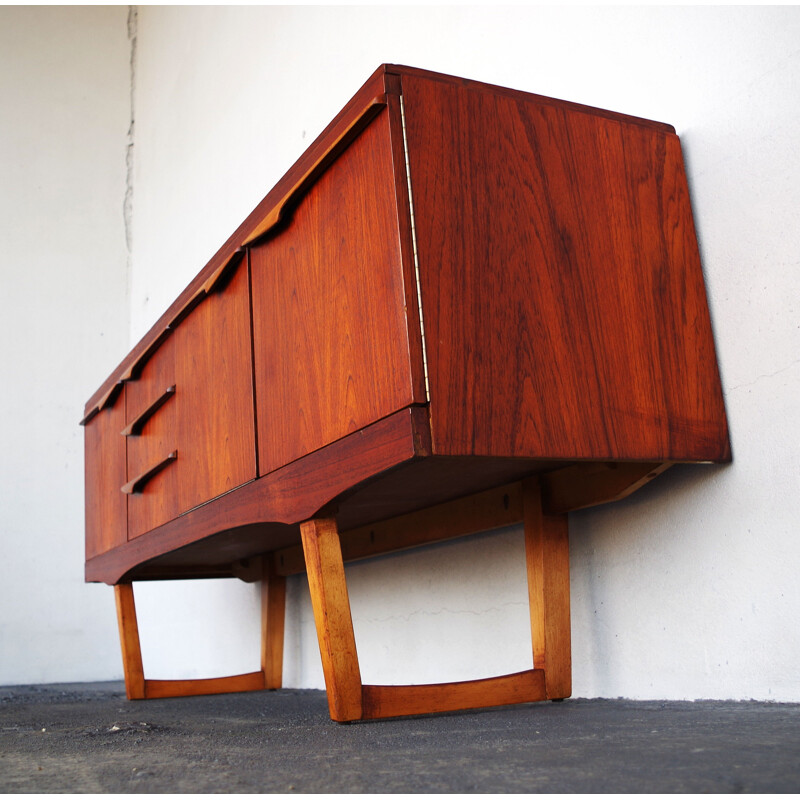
(89,738)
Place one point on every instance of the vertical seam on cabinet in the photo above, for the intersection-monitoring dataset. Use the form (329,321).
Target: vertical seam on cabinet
(252,355)
(414,250)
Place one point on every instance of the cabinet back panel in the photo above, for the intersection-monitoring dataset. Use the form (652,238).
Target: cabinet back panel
(329,322)
(562,292)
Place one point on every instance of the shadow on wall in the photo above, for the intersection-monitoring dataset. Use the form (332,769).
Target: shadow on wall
(613,550)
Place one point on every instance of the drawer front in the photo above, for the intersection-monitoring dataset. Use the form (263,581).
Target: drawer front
(154,501)
(198,439)
(106,506)
(330,327)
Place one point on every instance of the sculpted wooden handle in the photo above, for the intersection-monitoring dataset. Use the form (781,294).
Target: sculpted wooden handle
(106,400)
(276,213)
(135,428)
(136,486)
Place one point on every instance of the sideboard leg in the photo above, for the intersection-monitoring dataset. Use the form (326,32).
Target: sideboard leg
(547,559)
(331,604)
(137,687)
(129,640)
(273,614)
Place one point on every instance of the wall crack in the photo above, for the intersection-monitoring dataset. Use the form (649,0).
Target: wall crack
(127,204)
(766,375)
(438,612)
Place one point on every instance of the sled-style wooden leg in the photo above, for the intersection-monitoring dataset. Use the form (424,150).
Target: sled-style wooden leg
(129,641)
(273,615)
(137,687)
(331,604)
(547,558)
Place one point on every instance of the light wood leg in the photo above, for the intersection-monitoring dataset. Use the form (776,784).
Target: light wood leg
(273,614)
(129,640)
(137,687)
(331,604)
(547,558)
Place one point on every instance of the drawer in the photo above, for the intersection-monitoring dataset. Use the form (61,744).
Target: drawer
(191,433)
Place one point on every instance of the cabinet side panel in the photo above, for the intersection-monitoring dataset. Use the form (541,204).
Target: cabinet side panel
(331,345)
(106,508)
(563,296)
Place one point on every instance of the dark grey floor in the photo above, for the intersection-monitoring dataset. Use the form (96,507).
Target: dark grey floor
(88,738)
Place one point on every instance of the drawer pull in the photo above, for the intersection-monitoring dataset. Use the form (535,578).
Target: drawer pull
(136,486)
(135,428)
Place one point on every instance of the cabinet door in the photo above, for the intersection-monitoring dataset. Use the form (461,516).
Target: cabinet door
(214,362)
(207,421)
(105,474)
(331,341)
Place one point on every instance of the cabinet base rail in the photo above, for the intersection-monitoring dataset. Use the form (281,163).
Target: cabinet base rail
(547,562)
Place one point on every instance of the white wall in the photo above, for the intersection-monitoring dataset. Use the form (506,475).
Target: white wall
(64,113)
(686,590)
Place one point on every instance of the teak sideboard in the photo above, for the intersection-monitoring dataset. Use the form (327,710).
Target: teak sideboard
(463,307)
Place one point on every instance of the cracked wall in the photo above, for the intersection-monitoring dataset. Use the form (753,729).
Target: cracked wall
(64,322)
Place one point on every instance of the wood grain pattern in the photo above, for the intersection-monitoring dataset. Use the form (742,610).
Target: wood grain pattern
(589,484)
(401,70)
(105,472)
(213,373)
(273,615)
(248,682)
(129,641)
(329,598)
(563,296)
(329,324)
(402,701)
(547,560)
